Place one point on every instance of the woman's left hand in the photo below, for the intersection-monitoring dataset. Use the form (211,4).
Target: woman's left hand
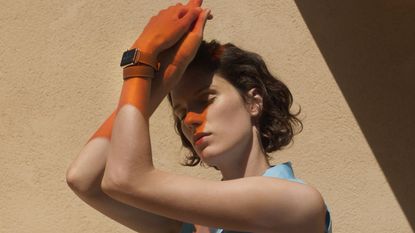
(174,61)
(167,27)
(183,52)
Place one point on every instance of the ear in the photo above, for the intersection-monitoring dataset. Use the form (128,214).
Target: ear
(255,104)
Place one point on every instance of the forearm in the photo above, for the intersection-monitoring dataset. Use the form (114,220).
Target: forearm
(105,130)
(158,92)
(130,147)
(164,82)
(85,172)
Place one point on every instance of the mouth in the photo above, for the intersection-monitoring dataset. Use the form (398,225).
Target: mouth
(198,136)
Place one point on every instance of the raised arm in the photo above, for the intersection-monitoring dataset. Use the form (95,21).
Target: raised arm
(85,173)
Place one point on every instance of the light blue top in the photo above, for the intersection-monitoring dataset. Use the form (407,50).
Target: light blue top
(283,171)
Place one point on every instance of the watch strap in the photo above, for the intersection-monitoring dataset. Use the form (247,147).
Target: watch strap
(146,58)
(143,71)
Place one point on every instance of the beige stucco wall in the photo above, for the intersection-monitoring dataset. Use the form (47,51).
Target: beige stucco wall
(60,78)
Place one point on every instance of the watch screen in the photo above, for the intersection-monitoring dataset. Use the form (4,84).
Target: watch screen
(128,57)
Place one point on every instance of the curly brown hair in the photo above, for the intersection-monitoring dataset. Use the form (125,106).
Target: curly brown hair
(246,70)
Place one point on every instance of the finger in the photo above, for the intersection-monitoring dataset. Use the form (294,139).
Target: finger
(201,22)
(179,4)
(182,12)
(190,17)
(194,3)
(176,7)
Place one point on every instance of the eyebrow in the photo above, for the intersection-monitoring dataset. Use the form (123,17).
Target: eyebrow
(195,94)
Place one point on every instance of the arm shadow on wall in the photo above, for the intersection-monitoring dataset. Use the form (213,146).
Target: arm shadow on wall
(369,47)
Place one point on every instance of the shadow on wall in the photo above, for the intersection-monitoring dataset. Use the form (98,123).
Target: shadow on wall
(369,47)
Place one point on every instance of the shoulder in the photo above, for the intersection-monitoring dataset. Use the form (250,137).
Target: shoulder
(311,209)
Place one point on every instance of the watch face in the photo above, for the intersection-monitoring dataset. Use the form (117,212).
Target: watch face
(128,57)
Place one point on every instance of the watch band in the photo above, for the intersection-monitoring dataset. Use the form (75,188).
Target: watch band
(146,58)
(143,71)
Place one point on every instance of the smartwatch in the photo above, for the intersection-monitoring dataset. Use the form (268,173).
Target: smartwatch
(135,56)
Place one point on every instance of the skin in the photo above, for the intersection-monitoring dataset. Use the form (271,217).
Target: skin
(115,174)
(232,144)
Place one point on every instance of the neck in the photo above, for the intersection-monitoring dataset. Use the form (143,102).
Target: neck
(252,162)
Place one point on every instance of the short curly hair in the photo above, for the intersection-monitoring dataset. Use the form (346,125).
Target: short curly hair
(246,70)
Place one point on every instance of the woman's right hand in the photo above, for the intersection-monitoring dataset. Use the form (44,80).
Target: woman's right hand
(167,27)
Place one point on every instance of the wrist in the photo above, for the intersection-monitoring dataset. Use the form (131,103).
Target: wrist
(146,47)
(141,53)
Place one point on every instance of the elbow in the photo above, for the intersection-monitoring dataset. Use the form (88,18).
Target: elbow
(79,184)
(109,186)
(74,181)
(112,184)
(117,183)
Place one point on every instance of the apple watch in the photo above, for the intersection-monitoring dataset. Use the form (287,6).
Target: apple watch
(135,56)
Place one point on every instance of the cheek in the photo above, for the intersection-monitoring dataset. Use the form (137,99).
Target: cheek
(229,120)
(201,120)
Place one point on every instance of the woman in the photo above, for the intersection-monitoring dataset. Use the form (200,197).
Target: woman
(230,112)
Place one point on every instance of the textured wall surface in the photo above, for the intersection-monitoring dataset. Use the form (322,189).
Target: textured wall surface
(60,78)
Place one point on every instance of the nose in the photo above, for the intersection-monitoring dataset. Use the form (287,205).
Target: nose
(193,120)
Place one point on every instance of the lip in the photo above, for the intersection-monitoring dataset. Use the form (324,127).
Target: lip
(198,136)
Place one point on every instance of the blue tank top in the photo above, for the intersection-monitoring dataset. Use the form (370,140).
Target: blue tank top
(283,171)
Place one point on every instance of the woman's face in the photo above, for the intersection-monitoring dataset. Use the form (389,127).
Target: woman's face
(213,116)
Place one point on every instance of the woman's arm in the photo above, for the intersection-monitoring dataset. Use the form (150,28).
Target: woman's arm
(84,177)
(85,173)
(240,204)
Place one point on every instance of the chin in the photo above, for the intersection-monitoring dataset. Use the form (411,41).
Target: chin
(210,155)
(206,153)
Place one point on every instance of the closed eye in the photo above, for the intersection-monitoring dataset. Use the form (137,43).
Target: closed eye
(201,105)
(204,96)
